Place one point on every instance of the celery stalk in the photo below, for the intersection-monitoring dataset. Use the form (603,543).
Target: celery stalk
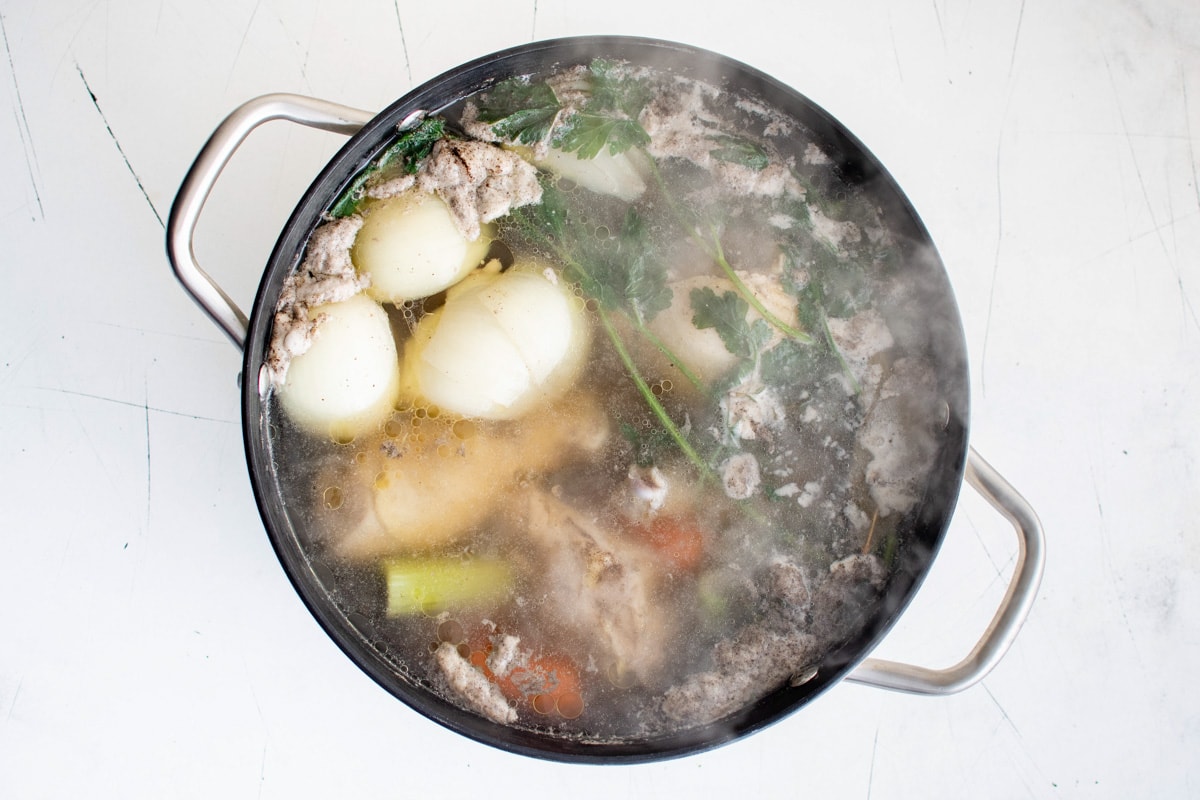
(430,585)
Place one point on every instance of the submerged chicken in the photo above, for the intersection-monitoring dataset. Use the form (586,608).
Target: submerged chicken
(430,481)
(603,583)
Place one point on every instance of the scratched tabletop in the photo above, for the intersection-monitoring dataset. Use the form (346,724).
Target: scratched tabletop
(150,643)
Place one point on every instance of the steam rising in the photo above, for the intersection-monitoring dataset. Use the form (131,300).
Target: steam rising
(894,413)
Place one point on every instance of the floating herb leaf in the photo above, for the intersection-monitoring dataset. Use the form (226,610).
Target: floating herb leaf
(622,273)
(409,150)
(609,117)
(736,150)
(519,110)
(614,90)
(790,363)
(544,223)
(415,145)
(586,134)
(647,446)
(726,313)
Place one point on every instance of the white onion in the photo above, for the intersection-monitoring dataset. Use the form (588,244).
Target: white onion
(701,349)
(412,248)
(501,345)
(349,378)
(617,176)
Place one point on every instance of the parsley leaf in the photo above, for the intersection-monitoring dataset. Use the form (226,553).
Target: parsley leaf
(789,363)
(609,117)
(586,134)
(614,91)
(409,150)
(621,273)
(520,111)
(736,150)
(544,222)
(415,145)
(647,446)
(645,284)
(726,313)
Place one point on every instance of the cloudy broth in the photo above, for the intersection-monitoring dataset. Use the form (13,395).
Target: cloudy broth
(713,501)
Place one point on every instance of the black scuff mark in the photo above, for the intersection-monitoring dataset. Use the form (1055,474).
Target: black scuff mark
(146,416)
(31,164)
(241,44)
(996,255)
(145,406)
(1012,61)
(121,150)
(1187,310)
(533,25)
(937,15)
(895,49)
(871,772)
(403,43)
(1187,121)
(12,703)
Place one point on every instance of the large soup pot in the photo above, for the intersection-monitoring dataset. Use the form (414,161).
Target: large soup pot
(352,629)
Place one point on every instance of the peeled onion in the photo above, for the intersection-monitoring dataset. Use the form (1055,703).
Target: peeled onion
(349,379)
(617,176)
(500,346)
(702,349)
(411,248)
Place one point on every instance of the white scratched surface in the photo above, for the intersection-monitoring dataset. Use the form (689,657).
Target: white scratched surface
(150,645)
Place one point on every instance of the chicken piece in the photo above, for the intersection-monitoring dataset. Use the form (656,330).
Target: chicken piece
(480,182)
(473,686)
(747,668)
(432,482)
(785,646)
(846,597)
(604,585)
(899,435)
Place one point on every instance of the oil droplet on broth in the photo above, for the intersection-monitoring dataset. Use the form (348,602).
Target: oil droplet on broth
(569,705)
(334,497)
(381,480)
(451,631)
(464,429)
(619,676)
(393,427)
(543,704)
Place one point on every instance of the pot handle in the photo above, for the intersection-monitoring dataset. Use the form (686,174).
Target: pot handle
(1008,619)
(198,184)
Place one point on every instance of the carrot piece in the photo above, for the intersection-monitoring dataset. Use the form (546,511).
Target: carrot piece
(678,540)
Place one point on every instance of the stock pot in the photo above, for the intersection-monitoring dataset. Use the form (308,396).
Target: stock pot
(354,632)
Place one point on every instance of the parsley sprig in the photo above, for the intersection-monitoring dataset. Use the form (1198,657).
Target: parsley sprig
(525,112)
(624,279)
(408,152)
(519,110)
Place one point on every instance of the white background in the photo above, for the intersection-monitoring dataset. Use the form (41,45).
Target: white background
(150,645)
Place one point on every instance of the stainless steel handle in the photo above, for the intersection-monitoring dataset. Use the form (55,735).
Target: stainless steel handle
(1008,619)
(198,184)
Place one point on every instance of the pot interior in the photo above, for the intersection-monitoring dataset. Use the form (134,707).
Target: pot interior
(839,173)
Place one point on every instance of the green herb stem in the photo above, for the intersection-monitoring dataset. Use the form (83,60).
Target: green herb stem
(663,417)
(751,298)
(716,252)
(837,351)
(662,347)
